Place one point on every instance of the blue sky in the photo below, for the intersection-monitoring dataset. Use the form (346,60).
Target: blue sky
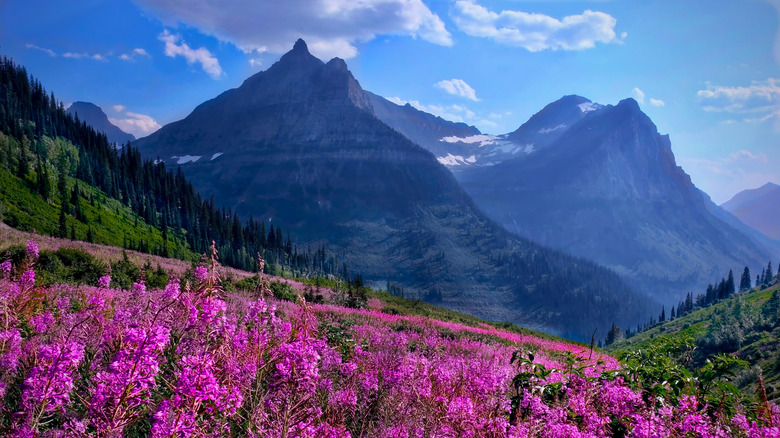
(706,72)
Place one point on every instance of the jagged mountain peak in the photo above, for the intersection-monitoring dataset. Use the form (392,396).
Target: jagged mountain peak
(300,45)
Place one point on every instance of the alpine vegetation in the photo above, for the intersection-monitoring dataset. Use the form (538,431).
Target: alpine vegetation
(192,360)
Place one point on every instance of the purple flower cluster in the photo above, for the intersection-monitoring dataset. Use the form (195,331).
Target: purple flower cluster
(203,363)
(48,386)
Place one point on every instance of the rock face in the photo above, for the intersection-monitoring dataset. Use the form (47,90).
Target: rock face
(94,116)
(429,131)
(607,187)
(299,144)
(758,208)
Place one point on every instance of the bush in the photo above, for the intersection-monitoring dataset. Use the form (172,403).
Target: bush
(283,291)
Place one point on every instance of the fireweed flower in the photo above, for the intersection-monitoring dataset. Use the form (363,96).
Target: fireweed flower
(10,350)
(6,268)
(32,248)
(50,382)
(130,378)
(41,323)
(104,282)
(201,273)
(139,288)
(28,279)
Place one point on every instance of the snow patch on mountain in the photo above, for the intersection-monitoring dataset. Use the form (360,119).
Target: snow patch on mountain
(589,106)
(186,159)
(482,139)
(215,156)
(456,160)
(549,130)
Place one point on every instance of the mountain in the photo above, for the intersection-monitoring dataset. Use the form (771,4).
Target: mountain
(607,187)
(424,129)
(94,116)
(457,145)
(300,145)
(758,208)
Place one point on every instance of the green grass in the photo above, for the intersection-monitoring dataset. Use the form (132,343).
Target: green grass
(757,337)
(111,222)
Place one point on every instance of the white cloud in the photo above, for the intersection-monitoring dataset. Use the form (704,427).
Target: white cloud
(457,87)
(83,55)
(535,32)
(759,96)
(49,52)
(140,125)
(453,113)
(638,94)
(330,27)
(135,53)
(175,47)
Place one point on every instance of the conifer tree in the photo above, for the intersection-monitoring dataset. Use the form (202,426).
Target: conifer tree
(662,317)
(730,286)
(614,335)
(768,276)
(744,282)
(671,314)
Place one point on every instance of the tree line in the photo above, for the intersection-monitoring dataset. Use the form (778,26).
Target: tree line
(161,197)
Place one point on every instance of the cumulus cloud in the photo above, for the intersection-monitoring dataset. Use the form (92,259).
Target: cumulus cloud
(140,125)
(330,27)
(759,96)
(535,32)
(457,87)
(174,46)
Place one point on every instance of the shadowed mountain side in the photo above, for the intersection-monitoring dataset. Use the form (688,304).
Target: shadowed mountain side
(609,189)
(94,116)
(299,145)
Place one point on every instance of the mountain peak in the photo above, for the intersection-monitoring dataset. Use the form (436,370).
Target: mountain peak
(338,64)
(629,102)
(300,46)
(94,116)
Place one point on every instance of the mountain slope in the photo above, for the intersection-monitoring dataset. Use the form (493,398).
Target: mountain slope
(744,325)
(94,116)
(758,208)
(299,144)
(608,188)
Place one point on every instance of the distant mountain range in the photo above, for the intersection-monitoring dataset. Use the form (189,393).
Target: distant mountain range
(301,144)
(758,208)
(94,116)
(600,182)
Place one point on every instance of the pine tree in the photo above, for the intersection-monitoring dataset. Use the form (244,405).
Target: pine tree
(744,282)
(730,286)
(662,317)
(671,314)
(614,335)
(768,276)
(63,225)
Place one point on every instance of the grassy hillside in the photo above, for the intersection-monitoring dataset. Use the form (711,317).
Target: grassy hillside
(745,326)
(200,356)
(97,218)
